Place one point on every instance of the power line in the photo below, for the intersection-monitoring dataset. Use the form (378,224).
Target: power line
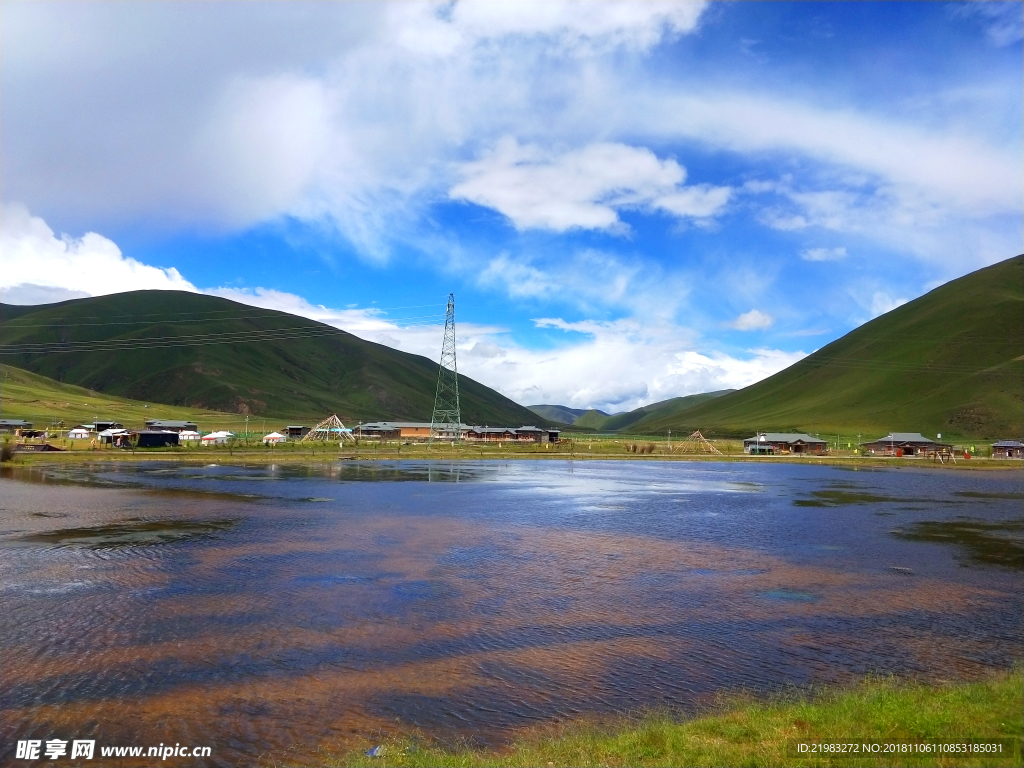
(229,337)
(15,324)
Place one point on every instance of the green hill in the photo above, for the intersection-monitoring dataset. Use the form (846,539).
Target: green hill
(204,352)
(951,361)
(636,419)
(42,401)
(592,419)
(559,413)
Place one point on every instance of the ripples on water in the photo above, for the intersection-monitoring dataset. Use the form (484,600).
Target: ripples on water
(273,611)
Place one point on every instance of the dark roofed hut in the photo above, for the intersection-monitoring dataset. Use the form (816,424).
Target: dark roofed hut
(172,425)
(153,438)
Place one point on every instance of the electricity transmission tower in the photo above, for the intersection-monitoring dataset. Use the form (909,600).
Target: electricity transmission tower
(446,422)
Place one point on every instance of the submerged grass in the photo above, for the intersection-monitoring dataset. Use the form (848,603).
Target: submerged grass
(744,731)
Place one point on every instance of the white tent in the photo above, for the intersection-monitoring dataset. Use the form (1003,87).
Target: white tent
(78,434)
(187,434)
(274,438)
(216,438)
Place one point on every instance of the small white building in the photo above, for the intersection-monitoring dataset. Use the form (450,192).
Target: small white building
(78,433)
(188,434)
(110,435)
(217,438)
(274,438)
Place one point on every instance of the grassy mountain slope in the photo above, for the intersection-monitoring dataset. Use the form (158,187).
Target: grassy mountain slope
(559,413)
(635,420)
(593,419)
(951,361)
(35,398)
(298,368)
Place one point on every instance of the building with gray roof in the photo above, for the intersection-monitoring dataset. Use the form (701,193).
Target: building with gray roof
(784,442)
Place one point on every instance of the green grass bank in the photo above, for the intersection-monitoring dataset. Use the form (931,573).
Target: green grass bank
(743,731)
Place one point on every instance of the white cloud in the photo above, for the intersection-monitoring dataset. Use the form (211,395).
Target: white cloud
(754,320)
(882,302)
(620,365)
(612,365)
(263,146)
(577,25)
(907,221)
(31,294)
(823,254)
(1003,22)
(582,188)
(39,264)
(486,349)
(948,167)
(592,281)
(362,115)
(350,113)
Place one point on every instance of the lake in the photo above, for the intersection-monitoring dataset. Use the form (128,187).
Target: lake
(270,612)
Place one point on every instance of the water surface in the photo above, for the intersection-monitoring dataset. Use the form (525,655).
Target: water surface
(273,611)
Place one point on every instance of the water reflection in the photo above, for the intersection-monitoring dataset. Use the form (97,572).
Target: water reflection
(981,542)
(277,610)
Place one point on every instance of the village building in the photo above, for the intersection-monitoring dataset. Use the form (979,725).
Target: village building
(14,425)
(904,444)
(103,426)
(490,434)
(392,430)
(537,435)
(784,442)
(294,431)
(79,433)
(274,438)
(172,425)
(217,438)
(1008,449)
(420,430)
(153,438)
(110,435)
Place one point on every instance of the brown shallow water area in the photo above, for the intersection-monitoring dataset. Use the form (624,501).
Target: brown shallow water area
(272,612)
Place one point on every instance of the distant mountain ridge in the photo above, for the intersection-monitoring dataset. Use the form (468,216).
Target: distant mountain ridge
(600,421)
(560,413)
(170,347)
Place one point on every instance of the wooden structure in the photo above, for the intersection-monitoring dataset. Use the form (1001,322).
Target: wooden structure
(329,429)
(696,443)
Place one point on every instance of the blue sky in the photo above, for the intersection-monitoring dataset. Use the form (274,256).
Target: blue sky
(631,201)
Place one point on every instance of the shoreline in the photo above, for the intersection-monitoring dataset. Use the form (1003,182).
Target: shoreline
(741,729)
(322,455)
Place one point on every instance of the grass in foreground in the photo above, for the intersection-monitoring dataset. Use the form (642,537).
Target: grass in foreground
(743,731)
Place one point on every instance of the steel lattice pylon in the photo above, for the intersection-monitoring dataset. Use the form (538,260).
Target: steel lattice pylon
(446,422)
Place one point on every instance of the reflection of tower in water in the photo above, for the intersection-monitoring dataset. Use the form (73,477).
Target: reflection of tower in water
(439,474)
(446,421)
